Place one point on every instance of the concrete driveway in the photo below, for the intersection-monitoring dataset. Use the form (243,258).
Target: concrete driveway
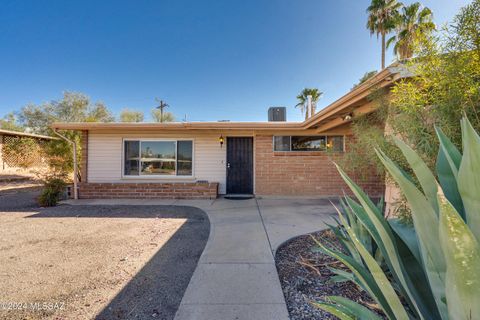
(236,276)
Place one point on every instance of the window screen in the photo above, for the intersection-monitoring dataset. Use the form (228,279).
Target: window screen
(281,143)
(335,143)
(132,159)
(184,158)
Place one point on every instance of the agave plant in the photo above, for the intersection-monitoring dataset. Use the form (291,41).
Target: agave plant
(349,219)
(433,266)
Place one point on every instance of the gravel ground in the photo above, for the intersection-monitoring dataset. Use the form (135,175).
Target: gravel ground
(103,262)
(302,284)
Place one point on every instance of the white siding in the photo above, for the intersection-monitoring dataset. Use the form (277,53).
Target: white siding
(105,157)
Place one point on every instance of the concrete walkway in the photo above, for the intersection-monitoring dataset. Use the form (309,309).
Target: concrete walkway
(236,277)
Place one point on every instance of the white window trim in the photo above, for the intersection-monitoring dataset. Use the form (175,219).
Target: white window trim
(290,144)
(158,176)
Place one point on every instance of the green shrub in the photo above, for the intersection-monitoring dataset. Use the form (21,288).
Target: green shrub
(445,86)
(52,192)
(431,268)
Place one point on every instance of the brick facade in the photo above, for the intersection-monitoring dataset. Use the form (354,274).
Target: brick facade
(174,190)
(309,174)
(305,173)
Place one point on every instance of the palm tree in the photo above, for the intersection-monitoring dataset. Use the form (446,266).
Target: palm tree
(303,97)
(414,22)
(382,16)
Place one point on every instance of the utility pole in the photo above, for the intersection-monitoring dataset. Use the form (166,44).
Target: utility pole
(161,105)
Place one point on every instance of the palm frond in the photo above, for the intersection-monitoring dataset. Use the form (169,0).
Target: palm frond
(413,22)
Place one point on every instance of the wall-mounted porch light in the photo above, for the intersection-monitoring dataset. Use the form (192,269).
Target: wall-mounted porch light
(221,140)
(348,117)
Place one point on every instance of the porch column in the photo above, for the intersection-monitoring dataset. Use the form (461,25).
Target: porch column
(2,162)
(84,161)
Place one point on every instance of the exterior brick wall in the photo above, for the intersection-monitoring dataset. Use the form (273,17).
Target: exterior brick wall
(283,173)
(174,190)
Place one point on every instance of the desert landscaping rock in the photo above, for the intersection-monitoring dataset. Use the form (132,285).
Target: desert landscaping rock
(302,284)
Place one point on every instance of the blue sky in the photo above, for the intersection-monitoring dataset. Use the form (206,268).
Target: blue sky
(211,60)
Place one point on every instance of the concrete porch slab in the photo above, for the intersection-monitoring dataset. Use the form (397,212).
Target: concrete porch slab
(288,218)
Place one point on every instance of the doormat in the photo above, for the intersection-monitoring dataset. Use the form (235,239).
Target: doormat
(239,197)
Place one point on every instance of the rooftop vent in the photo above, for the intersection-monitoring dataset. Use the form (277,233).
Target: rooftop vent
(277,114)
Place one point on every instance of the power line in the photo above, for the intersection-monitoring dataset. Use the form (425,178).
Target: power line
(161,105)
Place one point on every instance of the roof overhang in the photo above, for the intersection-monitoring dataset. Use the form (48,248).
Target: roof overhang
(355,102)
(25,134)
(112,126)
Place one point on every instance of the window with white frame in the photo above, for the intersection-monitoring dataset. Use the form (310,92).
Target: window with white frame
(308,143)
(158,158)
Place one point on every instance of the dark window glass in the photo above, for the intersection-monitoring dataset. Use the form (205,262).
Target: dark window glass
(308,143)
(131,166)
(158,157)
(335,143)
(281,143)
(184,158)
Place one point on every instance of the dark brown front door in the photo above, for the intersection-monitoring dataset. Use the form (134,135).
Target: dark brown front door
(239,165)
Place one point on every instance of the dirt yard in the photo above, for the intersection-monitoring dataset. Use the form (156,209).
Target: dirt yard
(74,262)
(13,183)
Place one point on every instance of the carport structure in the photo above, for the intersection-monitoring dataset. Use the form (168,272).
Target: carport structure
(20,151)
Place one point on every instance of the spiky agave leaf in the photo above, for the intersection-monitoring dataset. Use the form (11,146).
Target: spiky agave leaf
(411,280)
(462,252)
(426,223)
(469,177)
(447,166)
(361,273)
(346,309)
(395,309)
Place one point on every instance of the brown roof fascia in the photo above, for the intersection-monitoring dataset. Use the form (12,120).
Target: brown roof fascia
(25,134)
(179,126)
(381,79)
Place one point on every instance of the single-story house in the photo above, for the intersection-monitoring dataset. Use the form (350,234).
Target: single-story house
(205,159)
